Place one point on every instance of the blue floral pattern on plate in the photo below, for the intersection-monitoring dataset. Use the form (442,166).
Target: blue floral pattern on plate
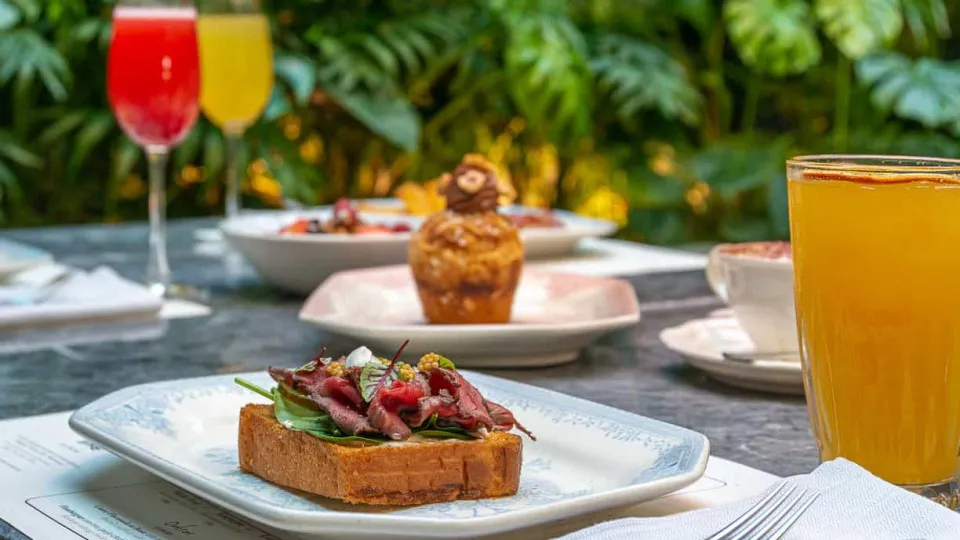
(186,432)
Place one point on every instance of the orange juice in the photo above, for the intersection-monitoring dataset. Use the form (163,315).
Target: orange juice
(877,284)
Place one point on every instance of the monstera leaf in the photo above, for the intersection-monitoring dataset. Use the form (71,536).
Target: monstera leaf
(925,90)
(774,36)
(927,20)
(859,27)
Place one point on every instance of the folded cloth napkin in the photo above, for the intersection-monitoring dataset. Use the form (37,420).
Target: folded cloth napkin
(55,295)
(853,504)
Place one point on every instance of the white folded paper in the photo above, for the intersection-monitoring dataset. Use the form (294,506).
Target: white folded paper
(853,504)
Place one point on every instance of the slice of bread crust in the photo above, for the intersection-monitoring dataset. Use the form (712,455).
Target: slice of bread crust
(403,473)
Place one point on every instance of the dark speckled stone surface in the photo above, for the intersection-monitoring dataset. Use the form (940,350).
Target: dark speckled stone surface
(253,326)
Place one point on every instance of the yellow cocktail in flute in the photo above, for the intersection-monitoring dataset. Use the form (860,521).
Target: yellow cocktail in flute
(236,59)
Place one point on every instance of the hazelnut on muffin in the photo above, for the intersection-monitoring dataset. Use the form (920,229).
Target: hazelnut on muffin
(467,260)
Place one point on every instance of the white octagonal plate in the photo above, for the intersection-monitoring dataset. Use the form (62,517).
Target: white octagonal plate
(587,457)
(555,316)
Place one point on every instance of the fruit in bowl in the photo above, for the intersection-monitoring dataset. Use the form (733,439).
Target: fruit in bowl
(345,220)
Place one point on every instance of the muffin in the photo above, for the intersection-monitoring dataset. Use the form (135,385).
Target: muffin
(467,260)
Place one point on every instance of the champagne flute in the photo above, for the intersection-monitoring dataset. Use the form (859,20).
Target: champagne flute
(236,60)
(153,84)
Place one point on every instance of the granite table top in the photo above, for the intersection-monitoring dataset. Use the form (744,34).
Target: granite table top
(253,326)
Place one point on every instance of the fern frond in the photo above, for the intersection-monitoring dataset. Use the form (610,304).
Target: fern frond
(547,73)
(638,76)
(25,53)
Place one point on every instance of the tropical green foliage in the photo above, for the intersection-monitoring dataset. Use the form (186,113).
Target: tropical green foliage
(673,116)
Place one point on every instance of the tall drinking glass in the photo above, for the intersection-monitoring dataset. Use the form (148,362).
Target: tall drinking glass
(153,83)
(876,254)
(236,61)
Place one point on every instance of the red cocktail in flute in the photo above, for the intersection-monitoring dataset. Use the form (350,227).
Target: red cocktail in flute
(153,82)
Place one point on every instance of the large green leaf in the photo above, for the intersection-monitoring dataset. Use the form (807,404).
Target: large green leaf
(638,76)
(928,20)
(12,150)
(657,226)
(699,13)
(744,229)
(773,36)
(24,53)
(650,190)
(859,27)
(31,9)
(778,208)
(732,170)
(9,15)
(299,73)
(547,72)
(925,90)
(390,116)
(95,131)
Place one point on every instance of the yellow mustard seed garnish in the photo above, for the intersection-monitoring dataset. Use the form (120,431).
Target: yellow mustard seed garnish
(335,369)
(429,362)
(384,361)
(407,373)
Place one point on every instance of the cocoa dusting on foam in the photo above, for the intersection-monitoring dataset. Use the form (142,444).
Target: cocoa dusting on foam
(881,178)
(760,250)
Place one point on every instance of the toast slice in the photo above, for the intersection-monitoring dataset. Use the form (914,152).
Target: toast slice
(402,473)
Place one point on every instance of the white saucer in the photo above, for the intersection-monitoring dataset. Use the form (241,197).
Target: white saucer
(555,316)
(702,343)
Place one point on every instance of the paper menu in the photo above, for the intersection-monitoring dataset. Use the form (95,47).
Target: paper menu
(56,485)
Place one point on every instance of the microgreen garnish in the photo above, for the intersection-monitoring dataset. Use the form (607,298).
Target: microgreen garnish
(312,365)
(376,375)
(445,363)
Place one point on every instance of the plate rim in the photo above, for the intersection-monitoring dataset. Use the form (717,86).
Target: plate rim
(338,521)
(625,320)
(585,227)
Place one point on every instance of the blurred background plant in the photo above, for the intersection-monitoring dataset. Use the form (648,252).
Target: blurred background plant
(672,117)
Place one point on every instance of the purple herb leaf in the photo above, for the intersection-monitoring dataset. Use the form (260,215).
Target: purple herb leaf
(376,375)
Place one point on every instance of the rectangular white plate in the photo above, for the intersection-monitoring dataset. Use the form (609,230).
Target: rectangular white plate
(587,457)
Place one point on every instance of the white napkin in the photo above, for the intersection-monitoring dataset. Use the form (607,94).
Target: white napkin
(853,504)
(77,296)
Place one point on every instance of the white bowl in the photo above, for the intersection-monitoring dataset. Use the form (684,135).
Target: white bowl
(300,263)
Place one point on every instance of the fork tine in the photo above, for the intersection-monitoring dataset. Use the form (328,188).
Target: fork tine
(759,505)
(792,518)
(762,521)
(783,512)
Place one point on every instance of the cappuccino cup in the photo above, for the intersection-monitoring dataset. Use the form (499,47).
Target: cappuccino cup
(756,280)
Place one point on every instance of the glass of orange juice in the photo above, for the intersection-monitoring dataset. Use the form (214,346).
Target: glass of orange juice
(876,254)
(236,73)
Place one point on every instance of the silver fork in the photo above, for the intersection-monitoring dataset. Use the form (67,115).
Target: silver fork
(772,516)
